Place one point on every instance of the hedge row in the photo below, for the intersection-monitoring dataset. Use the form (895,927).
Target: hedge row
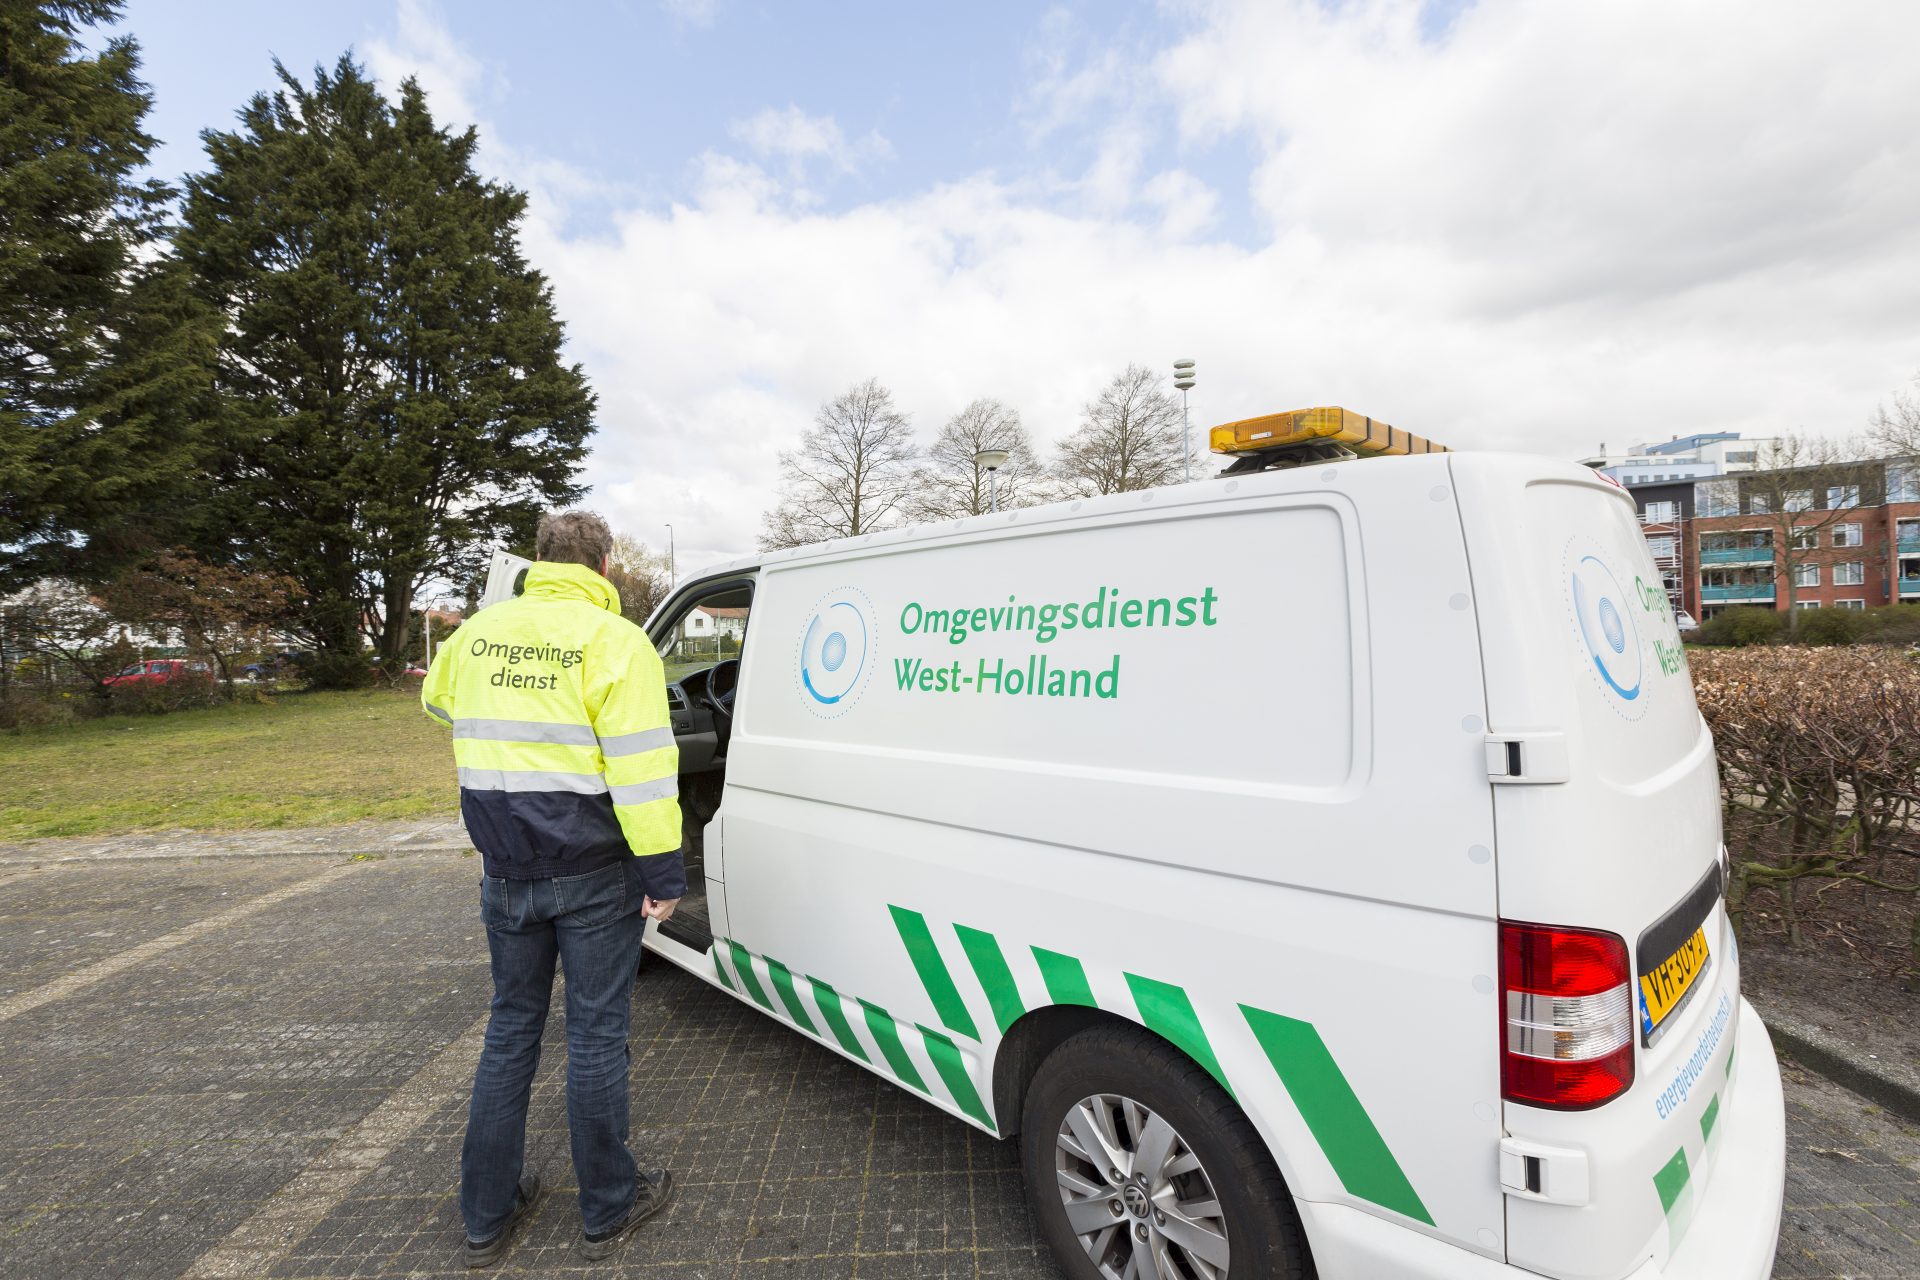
(1749,625)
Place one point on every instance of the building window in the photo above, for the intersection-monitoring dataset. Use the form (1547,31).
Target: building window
(1736,459)
(1806,604)
(1849,604)
(1805,539)
(1662,512)
(1760,504)
(1852,573)
(1797,500)
(1903,482)
(1806,575)
(1662,547)
(1846,535)
(1842,496)
(1717,497)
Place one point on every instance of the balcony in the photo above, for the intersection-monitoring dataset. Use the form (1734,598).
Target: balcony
(1737,555)
(1748,593)
(1910,586)
(1909,541)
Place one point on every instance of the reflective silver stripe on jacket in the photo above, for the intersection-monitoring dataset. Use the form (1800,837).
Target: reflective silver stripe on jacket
(586,784)
(643,792)
(437,711)
(572,735)
(633,744)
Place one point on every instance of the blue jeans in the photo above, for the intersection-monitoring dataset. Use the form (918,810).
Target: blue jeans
(592,924)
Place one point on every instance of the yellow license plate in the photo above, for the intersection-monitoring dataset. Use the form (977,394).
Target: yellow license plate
(1664,986)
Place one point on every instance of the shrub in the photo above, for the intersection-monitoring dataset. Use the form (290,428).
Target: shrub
(1740,626)
(185,691)
(1819,750)
(1829,626)
(337,670)
(39,710)
(1891,624)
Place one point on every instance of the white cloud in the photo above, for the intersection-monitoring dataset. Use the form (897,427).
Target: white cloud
(1556,225)
(423,48)
(791,135)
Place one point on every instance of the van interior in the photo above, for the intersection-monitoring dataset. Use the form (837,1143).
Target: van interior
(700,642)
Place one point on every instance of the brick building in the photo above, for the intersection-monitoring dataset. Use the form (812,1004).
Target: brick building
(1857,545)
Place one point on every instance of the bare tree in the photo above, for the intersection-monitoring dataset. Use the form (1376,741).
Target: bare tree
(1128,438)
(953,484)
(851,474)
(1894,430)
(640,574)
(65,630)
(1804,484)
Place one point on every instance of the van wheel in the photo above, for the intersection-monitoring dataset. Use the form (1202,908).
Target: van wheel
(1140,1167)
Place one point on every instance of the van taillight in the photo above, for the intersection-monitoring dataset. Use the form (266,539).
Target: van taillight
(1567,1042)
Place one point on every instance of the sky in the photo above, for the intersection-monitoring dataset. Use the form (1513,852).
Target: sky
(1502,225)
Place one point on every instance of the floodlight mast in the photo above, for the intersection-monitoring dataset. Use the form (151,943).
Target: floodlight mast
(1183,378)
(992,460)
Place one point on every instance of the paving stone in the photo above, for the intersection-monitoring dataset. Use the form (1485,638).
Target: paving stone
(153,1112)
(58,918)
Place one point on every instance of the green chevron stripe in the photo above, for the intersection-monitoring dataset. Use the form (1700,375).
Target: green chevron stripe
(783,984)
(983,953)
(887,1035)
(836,1016)
(1346,1133)
(947,1061)
(743,966)
(1708,1116)
(1065,977)
(720,969)
(1167,1012)
(933,972)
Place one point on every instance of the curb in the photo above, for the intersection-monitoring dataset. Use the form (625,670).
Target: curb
(1821,1052)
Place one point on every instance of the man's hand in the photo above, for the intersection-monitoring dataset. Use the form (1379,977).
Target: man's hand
(658,910)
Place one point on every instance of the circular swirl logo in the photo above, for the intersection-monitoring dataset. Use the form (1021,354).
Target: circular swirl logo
(1606,624)
(836,651)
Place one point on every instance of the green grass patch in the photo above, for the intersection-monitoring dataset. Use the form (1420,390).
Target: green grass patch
(301,760)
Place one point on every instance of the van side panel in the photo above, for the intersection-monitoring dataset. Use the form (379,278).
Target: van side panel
(1249,810)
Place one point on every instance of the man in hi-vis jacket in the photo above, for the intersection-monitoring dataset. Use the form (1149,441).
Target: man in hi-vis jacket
(568,784)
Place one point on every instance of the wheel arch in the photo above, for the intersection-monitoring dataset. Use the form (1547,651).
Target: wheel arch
(1037,1033)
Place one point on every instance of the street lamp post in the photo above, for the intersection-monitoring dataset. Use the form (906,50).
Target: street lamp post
(673,573)
(992,460)
(1183,379)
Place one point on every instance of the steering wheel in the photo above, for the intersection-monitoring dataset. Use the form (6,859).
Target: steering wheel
(722,679)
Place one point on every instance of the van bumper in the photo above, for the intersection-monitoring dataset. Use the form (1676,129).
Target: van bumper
(1737,1225)
(1733,1232)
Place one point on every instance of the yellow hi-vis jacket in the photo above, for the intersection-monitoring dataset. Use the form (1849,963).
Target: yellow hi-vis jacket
(561,733)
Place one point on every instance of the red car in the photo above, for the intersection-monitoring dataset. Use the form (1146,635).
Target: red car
(154,671)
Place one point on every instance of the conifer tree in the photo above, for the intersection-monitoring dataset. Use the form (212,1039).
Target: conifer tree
(98,341)
(392,397)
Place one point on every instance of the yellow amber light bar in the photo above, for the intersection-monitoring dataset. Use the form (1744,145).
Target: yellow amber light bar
(1366,436)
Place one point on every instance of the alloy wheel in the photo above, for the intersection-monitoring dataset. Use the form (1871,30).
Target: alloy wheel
(1136,1195)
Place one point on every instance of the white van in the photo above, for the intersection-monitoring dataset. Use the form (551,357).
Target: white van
(1313,868)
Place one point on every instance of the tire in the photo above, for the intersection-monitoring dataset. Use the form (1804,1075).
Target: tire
(1106,1068)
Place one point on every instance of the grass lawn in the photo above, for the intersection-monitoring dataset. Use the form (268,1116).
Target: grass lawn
(307,759)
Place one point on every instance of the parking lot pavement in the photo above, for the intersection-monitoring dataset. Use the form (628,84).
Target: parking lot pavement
(240,1067)
(1853,1185)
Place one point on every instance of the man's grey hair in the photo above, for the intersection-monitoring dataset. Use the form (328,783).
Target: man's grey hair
(574,537)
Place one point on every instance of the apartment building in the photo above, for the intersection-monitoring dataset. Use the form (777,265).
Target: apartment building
(1854,537)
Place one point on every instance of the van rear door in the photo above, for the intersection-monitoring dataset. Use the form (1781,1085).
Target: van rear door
(1607,819)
